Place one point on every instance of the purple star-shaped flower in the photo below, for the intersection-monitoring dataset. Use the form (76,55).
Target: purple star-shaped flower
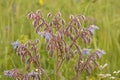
(15,44)
(100,52)
(92,28)
(46,35)
(7,73)
(86,51)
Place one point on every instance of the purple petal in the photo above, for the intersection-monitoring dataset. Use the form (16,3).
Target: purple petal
(8,73)
(15,44)
(48,36)
(86,51)
(45,34)
(100,52)
(92,28)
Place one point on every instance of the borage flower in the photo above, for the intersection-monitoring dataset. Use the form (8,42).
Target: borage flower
(13,73)
(92,28)
(16,44)
(45,34)
(7,73)
(99,53)
(86,51)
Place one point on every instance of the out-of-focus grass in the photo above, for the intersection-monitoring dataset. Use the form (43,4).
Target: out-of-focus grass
(13,23)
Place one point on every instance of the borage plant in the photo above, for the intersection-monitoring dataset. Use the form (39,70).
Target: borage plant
(62,41)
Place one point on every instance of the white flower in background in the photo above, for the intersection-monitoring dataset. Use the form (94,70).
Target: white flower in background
(104,75)
(116,72)
(112,78)
(107,75)
(103,66)
(101,75)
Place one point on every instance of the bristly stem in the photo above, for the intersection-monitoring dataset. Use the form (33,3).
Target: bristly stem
(62,41)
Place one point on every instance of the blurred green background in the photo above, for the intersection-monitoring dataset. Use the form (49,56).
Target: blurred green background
(13,23)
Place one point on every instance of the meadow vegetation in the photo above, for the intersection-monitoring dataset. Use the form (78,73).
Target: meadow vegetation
(14,25)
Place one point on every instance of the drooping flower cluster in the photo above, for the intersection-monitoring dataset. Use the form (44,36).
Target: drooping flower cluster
(29,55)
(14,73)
(57,32)
(62,41)
(17,74)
